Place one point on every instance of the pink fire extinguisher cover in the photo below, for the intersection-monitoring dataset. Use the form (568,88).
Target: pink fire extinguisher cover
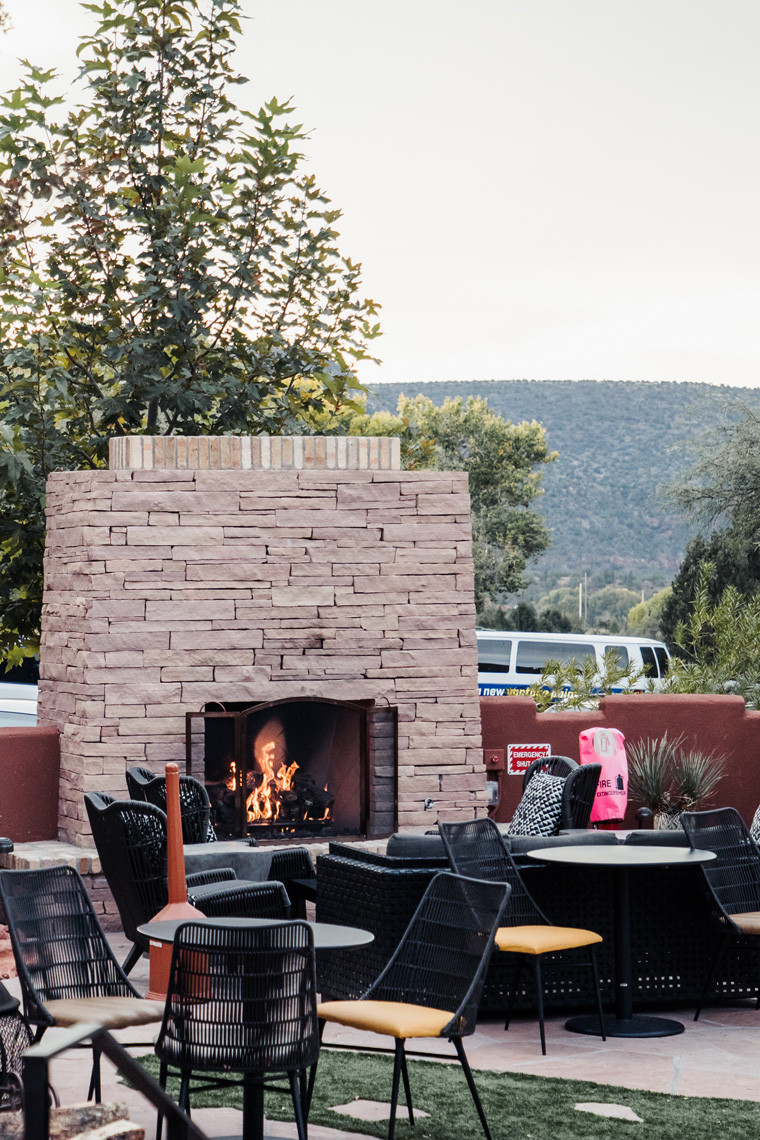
(606,746)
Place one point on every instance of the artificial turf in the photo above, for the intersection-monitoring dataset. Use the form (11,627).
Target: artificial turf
(519,1106)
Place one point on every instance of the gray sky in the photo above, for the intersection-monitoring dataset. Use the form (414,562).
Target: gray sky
(555,189)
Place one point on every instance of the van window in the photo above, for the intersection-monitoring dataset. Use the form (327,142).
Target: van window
(533,655)
(493,656)
(662,659)
(650,661)
(621,655)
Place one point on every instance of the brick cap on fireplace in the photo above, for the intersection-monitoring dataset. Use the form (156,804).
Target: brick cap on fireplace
(254,452)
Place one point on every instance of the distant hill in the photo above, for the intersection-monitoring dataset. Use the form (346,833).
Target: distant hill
(618,442)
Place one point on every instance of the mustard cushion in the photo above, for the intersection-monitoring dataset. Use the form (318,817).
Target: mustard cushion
(749,922)
(392,1018)
(111,1012)
(543,939)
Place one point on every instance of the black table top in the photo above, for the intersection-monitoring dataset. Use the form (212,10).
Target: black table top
(327,936)
(622,856)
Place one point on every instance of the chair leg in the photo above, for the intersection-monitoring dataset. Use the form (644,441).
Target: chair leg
(540,1000)
(163,1071)
(132,958)
(93,1092)
(183,1100)
(517,975)
(471,1083)
(296,1095)
(313,1072)
(710,975)
(407,1087)
(597,989)
(398,1064)
(253,1109)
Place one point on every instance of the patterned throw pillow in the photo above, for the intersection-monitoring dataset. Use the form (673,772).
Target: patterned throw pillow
(755,827)
(538,812)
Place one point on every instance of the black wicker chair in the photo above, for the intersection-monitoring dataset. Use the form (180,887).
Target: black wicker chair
(432,985)
(733,880)
(257,1013)
(130,837)
(65,966)
(194,804)
(476,847)
(295,869)
(578,791)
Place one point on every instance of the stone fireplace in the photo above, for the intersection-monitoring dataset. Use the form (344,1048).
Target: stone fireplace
(307,591)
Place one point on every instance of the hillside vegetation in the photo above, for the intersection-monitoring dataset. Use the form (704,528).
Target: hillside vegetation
(618,443)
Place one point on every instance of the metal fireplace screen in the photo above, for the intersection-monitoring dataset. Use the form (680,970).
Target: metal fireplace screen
(295,766)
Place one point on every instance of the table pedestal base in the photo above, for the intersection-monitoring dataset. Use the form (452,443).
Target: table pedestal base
(637,1026)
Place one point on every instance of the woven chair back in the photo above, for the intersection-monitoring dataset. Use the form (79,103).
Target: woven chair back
(194,804)
(578,796)
(130,837)
(554,765)
(58,944)
(241,1000)
(476,848)
(734,874)
(442,958)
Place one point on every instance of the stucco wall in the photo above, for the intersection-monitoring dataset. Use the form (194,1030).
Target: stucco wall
(711,723)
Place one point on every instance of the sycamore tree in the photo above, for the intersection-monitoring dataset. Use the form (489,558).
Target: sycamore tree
(504,462)
(166,266)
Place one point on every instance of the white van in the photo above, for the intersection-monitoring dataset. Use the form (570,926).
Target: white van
(510,662)
(18,705)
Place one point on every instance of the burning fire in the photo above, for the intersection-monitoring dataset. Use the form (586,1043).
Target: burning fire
(265,802)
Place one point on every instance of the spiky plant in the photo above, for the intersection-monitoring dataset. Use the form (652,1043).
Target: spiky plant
(695,777)
(651,764)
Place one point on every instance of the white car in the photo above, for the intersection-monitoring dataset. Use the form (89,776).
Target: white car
(18,705)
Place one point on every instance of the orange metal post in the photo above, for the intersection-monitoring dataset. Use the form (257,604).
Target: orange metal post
(177,907)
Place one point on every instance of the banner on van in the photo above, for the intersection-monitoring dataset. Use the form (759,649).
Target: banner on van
(521,756)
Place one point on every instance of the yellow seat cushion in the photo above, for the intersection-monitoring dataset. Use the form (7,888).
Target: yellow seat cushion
(111,1012)
(749,922)
(392,1018)
(543,939)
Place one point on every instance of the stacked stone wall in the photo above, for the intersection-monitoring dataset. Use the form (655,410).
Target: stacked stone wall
(166,589)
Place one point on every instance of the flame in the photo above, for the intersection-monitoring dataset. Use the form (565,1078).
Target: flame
(265,802)
(230,781)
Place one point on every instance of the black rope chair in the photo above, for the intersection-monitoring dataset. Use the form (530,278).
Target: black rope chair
(130,837)
(733,881)
(65,965)
(476,846)
(578,791)
(294,867)
(194,804)
(242,1001)
(432,984)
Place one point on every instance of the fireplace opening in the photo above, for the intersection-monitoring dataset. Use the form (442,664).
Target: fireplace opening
(293,767)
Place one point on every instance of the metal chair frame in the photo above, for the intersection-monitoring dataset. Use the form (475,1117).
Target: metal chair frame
(477,847)
(440,963)
(242,1001)
(732,880)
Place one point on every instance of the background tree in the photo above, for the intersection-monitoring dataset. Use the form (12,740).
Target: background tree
(504,462)
(165,267)
(645,618)
(722,489)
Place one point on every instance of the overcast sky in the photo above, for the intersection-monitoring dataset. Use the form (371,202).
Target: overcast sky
(554,189)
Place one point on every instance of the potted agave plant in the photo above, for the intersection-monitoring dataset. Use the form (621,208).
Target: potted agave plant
(669,779)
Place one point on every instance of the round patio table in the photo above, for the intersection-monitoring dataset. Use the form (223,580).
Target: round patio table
(623,859)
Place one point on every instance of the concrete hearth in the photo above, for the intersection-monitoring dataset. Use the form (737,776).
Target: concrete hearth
(254,569)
